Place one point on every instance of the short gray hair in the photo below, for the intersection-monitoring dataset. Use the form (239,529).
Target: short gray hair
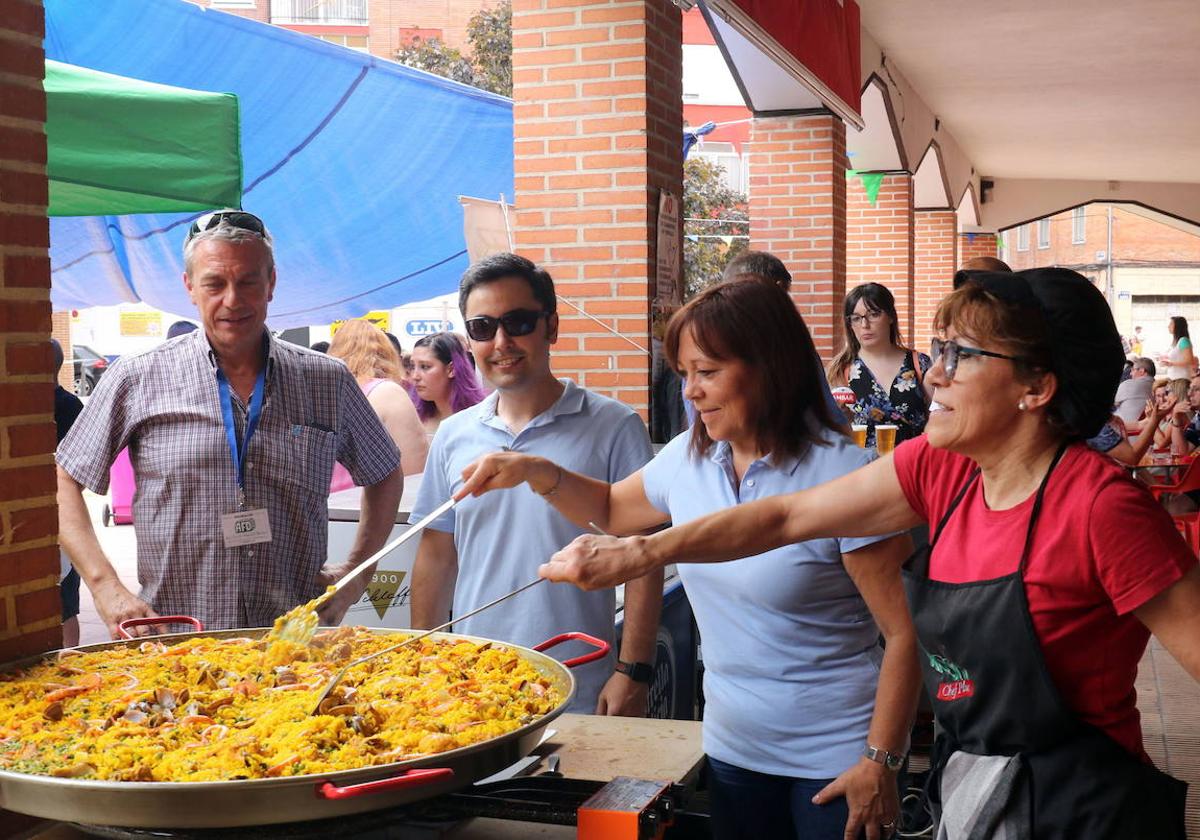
(225,232)
(1142,363)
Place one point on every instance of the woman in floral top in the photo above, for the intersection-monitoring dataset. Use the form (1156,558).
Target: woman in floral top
(873,355)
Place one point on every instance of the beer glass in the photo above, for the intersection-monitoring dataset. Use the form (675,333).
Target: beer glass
(885,439)
(859,433)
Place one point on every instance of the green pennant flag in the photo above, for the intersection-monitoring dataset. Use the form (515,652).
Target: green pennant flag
(871,182)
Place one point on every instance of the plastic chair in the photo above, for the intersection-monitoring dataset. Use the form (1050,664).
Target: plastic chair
(1189,482)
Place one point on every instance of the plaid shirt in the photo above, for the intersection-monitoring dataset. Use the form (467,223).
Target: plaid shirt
(164,405)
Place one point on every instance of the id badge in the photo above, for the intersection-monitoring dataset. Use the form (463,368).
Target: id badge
(246,527)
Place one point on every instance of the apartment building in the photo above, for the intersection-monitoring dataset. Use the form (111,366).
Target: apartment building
(378,27)
(1147,264)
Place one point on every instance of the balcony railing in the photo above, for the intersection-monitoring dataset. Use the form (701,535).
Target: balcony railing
(330,12)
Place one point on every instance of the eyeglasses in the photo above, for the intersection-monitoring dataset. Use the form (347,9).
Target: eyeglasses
(517,323)
(863,320)
(234,218)
(949,352)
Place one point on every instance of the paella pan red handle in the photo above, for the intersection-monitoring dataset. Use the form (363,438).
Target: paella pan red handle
(411,779)
(601,651)
(124,626)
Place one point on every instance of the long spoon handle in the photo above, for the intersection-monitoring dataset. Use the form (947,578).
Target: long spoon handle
(412,531)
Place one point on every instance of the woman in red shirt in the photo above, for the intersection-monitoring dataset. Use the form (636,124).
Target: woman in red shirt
(1047,572)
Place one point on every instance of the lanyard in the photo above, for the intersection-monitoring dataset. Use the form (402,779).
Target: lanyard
(238,451)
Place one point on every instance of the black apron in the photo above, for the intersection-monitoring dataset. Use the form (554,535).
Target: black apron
(993,695)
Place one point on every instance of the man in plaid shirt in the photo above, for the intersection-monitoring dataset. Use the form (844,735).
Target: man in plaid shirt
(233,436)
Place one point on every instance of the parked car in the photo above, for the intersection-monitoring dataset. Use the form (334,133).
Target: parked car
(88,367)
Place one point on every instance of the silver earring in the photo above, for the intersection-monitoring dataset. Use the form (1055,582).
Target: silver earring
(1021,405)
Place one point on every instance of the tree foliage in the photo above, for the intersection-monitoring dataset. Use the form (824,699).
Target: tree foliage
(719,226)
(489,65)
(432,56)
(490,34)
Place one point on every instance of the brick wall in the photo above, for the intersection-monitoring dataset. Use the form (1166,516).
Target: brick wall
(30,610)
(879,241)
(798,213)
(935,259)
(597,122)
(979,245)
(389,17)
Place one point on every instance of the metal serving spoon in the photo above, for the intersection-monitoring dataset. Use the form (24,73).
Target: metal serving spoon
(300,624)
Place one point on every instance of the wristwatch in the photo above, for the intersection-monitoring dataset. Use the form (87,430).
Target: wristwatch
(637,671)
(890,760)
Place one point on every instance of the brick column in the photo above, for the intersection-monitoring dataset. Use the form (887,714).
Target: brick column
(798,213)
(977,245)
(30,610)
(597,89)
(935,258)
(879,241)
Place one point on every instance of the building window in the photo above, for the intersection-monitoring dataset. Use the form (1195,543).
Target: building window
(354,42)
(1078,225)
(329,12)
(1043,233)
(1023,238)
(233,4)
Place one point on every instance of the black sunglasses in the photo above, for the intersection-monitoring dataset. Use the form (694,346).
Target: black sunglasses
(234,218)
(950,351)
(517,323)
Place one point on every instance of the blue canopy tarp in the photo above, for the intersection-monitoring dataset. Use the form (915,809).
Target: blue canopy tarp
(355,163)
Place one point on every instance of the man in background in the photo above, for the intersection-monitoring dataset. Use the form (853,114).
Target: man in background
(1133,393)
(232,436)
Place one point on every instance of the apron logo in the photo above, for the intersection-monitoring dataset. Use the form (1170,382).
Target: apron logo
(957,682)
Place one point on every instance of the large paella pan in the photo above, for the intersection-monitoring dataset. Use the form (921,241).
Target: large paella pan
(357,754)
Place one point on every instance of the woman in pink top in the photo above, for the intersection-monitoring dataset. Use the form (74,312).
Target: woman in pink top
(376,366)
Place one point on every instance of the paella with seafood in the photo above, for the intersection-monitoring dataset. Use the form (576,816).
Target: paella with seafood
(208,709)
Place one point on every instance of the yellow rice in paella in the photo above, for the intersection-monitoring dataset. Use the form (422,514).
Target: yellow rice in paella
(206,709)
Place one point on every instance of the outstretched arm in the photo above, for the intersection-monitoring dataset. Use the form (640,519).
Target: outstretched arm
(1173,616)
(620,508)
(862,503)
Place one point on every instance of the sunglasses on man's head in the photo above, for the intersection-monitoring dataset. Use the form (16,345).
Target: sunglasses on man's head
(517,323)
(234,218)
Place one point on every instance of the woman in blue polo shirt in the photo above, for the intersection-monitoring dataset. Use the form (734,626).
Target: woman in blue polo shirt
(806,715)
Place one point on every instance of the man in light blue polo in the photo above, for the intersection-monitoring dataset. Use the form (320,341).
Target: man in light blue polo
(490,545)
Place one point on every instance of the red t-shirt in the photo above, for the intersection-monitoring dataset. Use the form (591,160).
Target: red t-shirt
(1101,549)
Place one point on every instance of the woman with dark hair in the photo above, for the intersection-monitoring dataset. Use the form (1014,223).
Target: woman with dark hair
(887,378)
(1181,358)
(796,683)
(1048,570)
(443,379)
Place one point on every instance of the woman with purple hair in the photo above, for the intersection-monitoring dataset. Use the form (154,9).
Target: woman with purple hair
(443,379)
